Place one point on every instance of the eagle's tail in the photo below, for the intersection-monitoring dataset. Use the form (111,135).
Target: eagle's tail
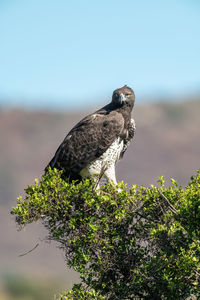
(66,175)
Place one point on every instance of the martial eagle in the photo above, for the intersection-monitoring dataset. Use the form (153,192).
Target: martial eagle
(94,145)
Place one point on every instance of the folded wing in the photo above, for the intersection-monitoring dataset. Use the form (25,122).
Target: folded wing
(88,140)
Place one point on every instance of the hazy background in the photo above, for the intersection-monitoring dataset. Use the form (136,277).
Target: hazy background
(60,60)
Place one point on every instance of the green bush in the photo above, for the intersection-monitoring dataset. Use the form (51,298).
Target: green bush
(137,244)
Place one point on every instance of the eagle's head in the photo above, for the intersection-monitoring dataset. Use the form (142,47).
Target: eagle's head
(123,96)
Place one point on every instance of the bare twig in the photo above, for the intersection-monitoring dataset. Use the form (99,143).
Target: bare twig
(173,209)
(29,250)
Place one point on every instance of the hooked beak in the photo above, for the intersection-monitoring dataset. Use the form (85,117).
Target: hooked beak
(122,98)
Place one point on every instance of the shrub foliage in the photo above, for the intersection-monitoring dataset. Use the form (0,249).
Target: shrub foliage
(141,243)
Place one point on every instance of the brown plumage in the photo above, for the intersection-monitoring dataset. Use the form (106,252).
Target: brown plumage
(90,139)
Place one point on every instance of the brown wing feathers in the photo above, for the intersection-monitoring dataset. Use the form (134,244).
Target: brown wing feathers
(92,136)
(88,140)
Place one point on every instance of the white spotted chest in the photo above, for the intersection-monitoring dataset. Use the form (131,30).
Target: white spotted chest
(105,162)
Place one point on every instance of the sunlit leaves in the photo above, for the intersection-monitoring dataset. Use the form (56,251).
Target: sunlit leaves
(142,242)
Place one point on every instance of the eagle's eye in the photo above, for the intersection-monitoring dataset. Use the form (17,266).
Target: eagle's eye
(128,95)
(116,95)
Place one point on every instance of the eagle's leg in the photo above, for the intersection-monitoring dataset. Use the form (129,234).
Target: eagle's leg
(110,175)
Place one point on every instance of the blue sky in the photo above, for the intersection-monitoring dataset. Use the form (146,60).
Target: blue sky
(70,54)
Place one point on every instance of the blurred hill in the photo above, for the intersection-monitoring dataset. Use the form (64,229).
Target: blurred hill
(166,143)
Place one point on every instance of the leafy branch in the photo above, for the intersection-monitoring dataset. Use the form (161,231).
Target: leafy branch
(141,243)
